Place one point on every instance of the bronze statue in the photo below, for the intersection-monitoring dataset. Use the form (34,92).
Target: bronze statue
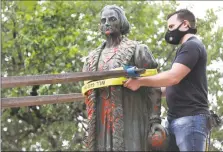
(120,119)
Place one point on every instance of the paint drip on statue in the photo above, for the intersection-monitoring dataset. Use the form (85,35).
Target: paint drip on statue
(107,32)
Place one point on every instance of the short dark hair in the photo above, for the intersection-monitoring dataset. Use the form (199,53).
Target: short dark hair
(185,14)
(124,22)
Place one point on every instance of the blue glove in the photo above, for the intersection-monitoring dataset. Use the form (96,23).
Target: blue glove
(130,70)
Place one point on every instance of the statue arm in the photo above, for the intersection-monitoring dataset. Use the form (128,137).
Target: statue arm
(85,69)
(86,63)
(143,58)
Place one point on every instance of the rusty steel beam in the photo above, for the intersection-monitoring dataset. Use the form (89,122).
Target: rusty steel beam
(17,81)
(40,100)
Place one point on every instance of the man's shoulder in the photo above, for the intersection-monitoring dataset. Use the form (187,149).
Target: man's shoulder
(194,42)
(192,45)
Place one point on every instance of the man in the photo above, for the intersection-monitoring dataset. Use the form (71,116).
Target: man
(119,118)
(185,85)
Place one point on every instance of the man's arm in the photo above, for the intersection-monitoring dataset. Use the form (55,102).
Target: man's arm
(167,78)
(164,79)
(186,59)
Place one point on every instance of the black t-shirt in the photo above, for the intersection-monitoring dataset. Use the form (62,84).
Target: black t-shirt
(189,97)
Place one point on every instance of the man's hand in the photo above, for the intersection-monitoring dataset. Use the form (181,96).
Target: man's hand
(163,79)
(132,84)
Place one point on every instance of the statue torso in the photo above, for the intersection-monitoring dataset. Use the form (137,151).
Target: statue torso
(116,110)
(103,59)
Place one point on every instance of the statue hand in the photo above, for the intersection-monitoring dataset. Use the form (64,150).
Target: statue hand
(156,127)
(157,136)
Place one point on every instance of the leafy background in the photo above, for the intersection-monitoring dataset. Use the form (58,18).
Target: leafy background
(52,37)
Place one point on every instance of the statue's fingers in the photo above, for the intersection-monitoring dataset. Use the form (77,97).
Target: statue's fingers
(153,128)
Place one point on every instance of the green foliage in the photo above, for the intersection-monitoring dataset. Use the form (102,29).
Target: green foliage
(52,37)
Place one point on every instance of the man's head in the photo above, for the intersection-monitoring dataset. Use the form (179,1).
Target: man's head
(179,24)
(113,21)
(183,15)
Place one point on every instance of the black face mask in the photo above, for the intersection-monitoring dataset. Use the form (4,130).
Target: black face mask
(174,37)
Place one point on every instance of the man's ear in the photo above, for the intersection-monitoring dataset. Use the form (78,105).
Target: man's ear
(186,23)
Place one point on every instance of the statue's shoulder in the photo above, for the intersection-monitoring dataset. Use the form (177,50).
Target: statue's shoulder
(129,42)
(143,47)
(92,58)
(95,52)
(134,43)
(137,44)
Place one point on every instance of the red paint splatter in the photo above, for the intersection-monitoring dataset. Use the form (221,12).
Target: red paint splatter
(89,105)
(115,50)
(107,58)
(107,32)
(145,65)
(107,109)
(112,88)
(156,108)
(92,60)
(107,112)
(101,68)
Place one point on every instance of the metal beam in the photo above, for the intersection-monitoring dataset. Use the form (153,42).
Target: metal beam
(17,81)
(40,100)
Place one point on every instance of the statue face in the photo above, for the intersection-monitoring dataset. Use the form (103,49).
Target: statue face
(110,22)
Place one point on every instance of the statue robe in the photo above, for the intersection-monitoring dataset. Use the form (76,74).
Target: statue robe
(119,118)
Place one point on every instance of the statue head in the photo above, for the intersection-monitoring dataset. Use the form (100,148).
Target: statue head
(113,21)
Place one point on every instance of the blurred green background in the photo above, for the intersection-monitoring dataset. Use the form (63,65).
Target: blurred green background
(50,37)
